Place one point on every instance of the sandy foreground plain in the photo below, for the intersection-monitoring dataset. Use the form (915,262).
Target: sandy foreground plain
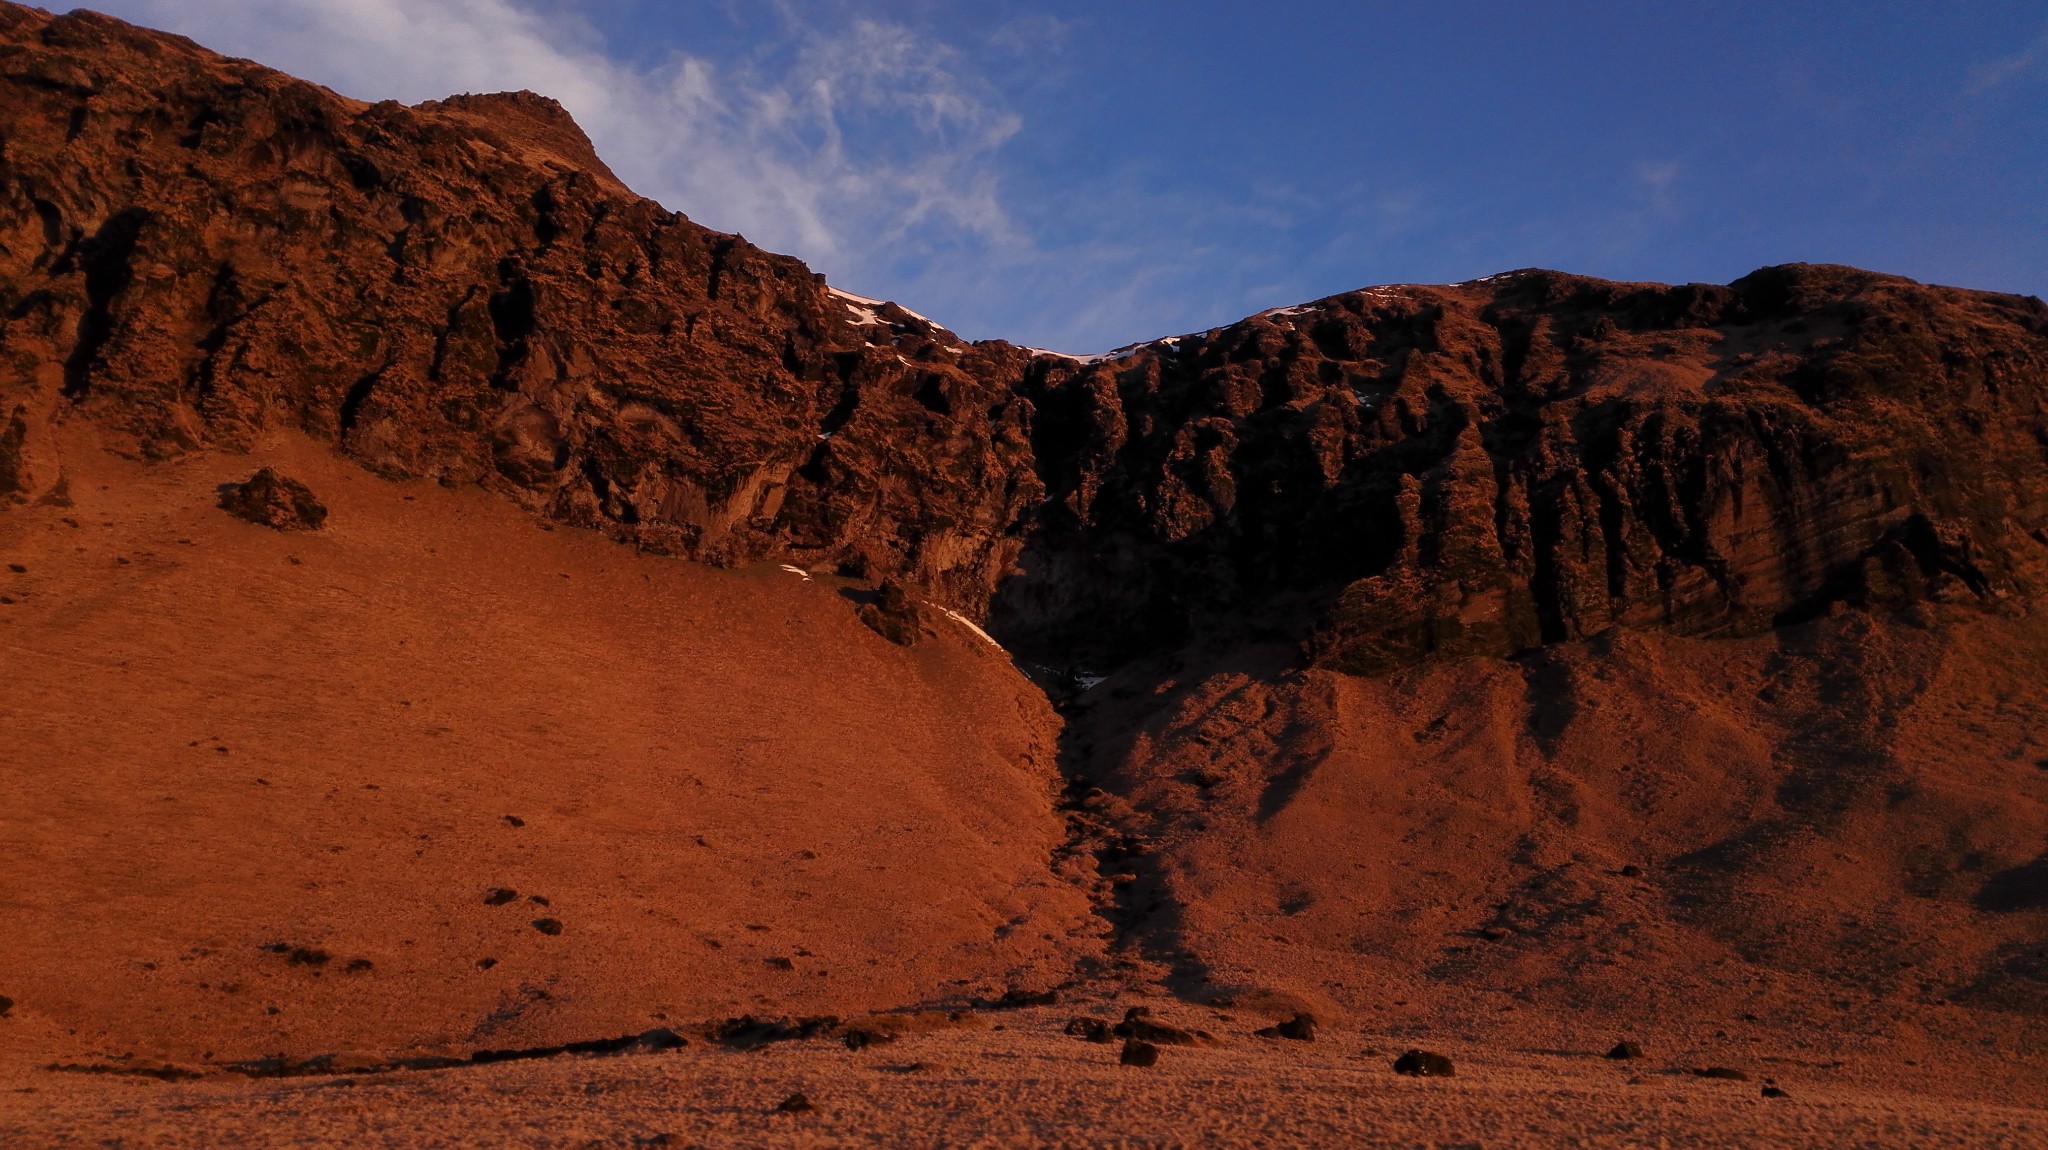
(1025,1085)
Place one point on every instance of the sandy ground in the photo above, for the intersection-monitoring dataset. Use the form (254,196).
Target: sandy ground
(261,793)
(257,788)
(1026,1085)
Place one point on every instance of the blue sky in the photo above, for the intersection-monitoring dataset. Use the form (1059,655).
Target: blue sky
(1079,176)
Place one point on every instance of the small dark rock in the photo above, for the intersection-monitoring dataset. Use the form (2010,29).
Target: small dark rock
(780,963)
(1774,1092)
(537,900)
(1423,1064)
(548,926)
(1139,1053)
(749,1033)
(514,821)
(1015,999)
(1088,1029)
(655,1041)
(17,568)
(795,1104)
(308,956)
(273,501)
(1631,871)
(1625,1050)
(1300,1028)
(6,1005)
(1138,1024)
(499,896)
(860,1038)
(894,615)
(1726,1072)
(358,966)
(1494,933)
(486,963)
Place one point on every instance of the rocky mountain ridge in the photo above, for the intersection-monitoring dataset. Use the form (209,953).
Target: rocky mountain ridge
(193,248)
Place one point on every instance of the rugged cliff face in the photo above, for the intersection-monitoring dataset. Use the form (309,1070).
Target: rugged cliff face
(195,248)
(1488,467)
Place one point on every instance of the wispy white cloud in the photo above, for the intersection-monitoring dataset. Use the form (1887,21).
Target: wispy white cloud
(837,143)
(1996,73)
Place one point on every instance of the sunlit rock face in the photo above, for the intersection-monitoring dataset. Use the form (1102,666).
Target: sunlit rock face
(196,248)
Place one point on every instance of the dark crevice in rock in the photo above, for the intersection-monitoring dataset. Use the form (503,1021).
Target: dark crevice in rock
(107,261)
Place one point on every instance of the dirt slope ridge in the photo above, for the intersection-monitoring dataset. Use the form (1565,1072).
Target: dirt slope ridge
(732,797)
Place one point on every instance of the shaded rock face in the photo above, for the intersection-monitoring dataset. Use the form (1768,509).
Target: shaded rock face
(1487,467)
(194,248)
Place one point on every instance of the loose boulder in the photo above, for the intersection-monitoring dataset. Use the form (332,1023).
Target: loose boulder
(894,615)
(1423,1064)
(1300,1028)
(272,500)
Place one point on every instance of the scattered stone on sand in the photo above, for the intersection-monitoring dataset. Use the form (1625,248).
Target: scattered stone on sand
(1138,1024)
(308,956)
(358,966)
(1089,1029)
(1138,1052)
(1424,1064)
(1725,1072)
(1016,999)
(6,1005)
(1625,1050)
(747,1032)
(486,963)
(500,895)
(780,963)
(17,568)
(1300,1028)
(273,501)
(1494,933)
(795,1104)
(514,821)
(894,615)
(538,900)
(861,1037)
(1631,871)
(548,926)
(1774,1092)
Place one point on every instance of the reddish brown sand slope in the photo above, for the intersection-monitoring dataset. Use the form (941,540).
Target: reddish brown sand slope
(1844,820)
(221,737)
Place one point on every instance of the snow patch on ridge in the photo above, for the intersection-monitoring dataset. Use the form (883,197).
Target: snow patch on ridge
(868,311)
(1169,343)
(964,621)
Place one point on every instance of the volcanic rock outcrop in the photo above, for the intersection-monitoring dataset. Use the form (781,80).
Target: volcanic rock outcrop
(195,247)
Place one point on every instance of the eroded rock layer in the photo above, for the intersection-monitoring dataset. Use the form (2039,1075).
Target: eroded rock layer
(196,248)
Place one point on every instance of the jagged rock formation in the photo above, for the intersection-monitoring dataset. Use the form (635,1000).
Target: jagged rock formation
(197,247)
(1488,467)
(275,501)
